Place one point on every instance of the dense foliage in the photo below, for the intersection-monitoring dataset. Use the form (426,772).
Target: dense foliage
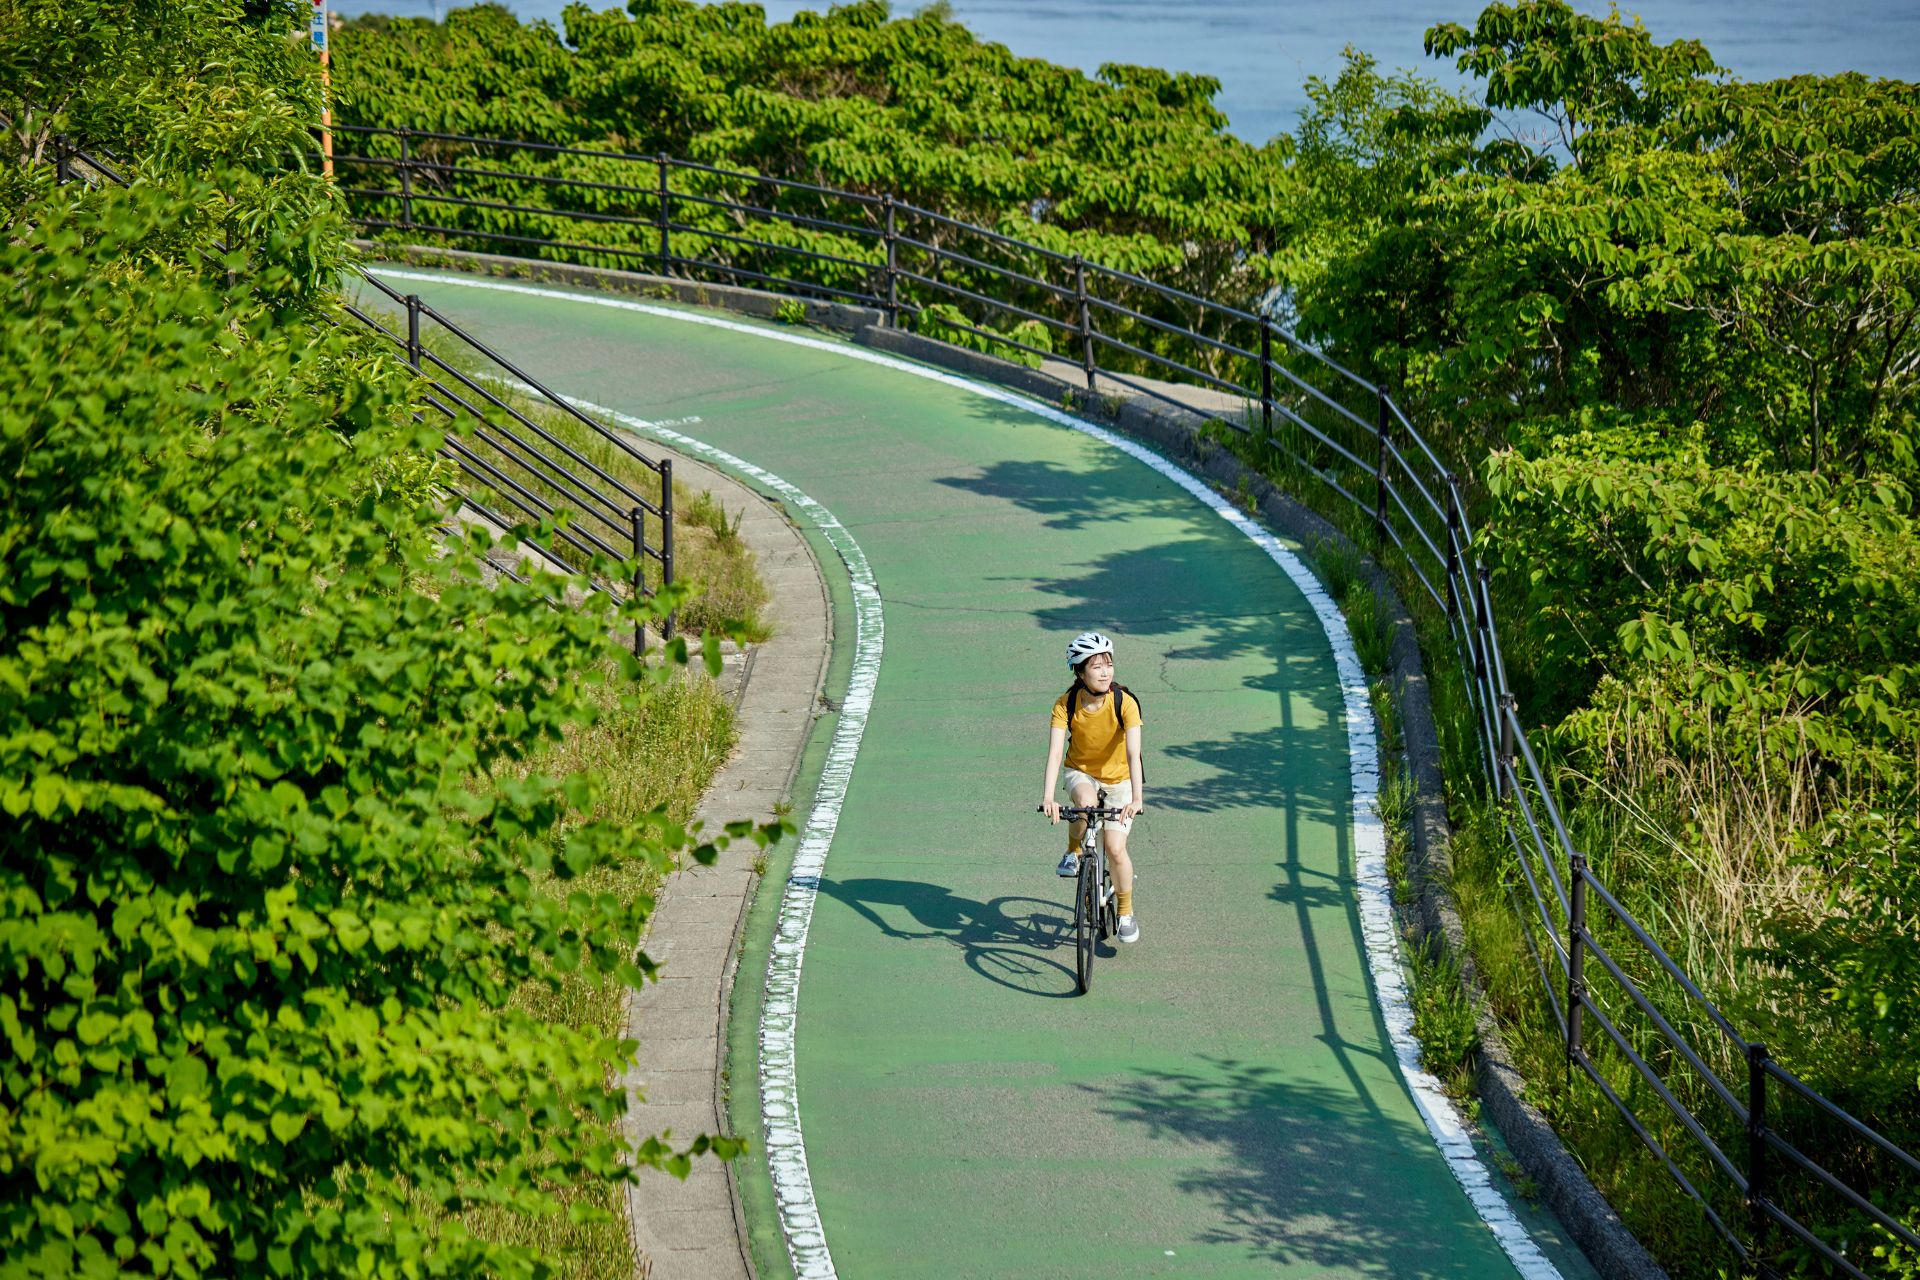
(1133,166)
(252,909)
(1671,319)
(279,875)
(1695,291)
(1664,320)
(214,88)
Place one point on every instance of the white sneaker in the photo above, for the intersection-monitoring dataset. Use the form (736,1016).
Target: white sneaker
(1129,930)
(1069,866)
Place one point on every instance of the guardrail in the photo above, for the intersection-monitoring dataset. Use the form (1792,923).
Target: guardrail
(1746,1129)
(514,469)
(917,265)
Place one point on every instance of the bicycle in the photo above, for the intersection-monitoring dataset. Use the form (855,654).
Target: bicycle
(1094,914)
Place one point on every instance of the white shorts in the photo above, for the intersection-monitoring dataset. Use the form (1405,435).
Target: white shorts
(1119,794)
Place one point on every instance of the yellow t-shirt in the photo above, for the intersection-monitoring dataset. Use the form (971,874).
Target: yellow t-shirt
(1097,746)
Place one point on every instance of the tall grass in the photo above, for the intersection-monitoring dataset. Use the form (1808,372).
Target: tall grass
(728,591)
(1702,846)
(654,745)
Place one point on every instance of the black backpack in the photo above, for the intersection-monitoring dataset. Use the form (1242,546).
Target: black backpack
(1119,691)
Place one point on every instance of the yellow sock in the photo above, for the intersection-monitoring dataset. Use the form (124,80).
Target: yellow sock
(1123,899)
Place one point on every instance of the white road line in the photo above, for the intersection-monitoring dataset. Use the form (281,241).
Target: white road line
(779,1014)
(1443,1121)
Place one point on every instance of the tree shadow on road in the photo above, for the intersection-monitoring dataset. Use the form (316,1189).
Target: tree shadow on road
(1301,774)
(1185,588)
(1306,1175)
(1108,487)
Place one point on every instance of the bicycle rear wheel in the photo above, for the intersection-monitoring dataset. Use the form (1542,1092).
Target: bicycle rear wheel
(1086,923)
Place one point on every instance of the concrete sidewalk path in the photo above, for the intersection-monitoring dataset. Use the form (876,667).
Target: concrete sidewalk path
(691,1230)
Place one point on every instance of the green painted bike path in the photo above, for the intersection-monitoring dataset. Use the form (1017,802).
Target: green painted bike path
(1225,1102)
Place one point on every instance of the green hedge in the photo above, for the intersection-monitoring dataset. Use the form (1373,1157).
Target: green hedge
(267,879)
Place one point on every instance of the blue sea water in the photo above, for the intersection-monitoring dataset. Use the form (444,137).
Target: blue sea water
(1263,51)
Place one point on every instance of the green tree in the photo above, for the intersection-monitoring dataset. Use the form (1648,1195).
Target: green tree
(1132,166)
(188,82)
(220,88)
(1366,256)
(1690,248)
(267,871)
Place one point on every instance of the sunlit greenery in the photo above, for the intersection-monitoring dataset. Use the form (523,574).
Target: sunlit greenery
(310,851)
(1662,321)
(1663,324)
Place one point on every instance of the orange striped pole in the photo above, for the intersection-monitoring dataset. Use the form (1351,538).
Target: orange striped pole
(317,32)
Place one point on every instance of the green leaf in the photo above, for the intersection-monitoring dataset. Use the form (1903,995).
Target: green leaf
(186,1080)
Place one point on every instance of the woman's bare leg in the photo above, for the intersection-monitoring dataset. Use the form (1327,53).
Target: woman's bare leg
(1081,797)
(1118,862)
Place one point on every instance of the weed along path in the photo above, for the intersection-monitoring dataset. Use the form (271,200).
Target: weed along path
(1230,1099)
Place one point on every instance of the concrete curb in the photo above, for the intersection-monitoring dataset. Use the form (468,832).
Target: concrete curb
(696,1230)
(1588,1218)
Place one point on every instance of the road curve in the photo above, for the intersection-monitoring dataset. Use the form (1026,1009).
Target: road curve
(1229,1100)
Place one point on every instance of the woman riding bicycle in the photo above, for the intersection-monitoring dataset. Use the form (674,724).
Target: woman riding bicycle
(1096,729)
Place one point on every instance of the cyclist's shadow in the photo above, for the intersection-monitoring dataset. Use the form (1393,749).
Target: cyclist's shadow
(1010,940)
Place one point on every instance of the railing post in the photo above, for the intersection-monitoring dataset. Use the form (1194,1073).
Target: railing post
(406,179)
(1086,318)
(639,516)
(1266,378)
(1504,767)
(1380,465)
(666,538)
(893,267)
(660,198)
(413,330)
(1480,625)
(1576,950)
(1453,545)
(62,166)
(1757,1219)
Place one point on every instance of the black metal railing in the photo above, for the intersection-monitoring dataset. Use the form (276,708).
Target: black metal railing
(924,269)
(514,472)
(1742,1131)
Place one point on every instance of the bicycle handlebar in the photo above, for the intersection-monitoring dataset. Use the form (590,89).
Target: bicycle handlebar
(1067,810)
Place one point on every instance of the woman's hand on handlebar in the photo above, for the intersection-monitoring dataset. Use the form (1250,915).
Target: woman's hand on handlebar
(1051,808)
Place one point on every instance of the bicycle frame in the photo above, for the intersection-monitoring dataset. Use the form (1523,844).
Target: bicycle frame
(1093,915)
(1092,846)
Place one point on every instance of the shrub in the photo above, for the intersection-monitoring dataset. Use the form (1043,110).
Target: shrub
(268,871)
(948,324)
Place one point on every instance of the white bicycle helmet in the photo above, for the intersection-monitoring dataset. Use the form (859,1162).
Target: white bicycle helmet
(1085,645)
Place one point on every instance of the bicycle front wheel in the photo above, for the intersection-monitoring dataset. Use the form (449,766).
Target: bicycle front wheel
(1086,923)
